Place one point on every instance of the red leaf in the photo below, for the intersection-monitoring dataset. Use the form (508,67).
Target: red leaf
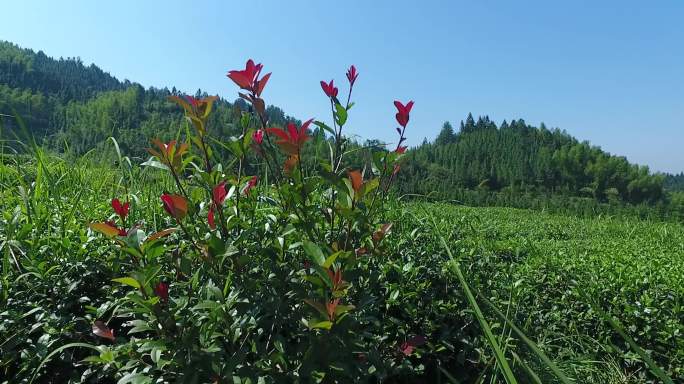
(162,291)
(406,349)
(292,130)
(330,307)
(403,112)
(262,83)
(352,75)
(417,341)
(409,106)
(356,180)
(329,88)
(120,209)
(108,229)
(258,136)
(382,232)
(101,330)
(239,78)
(175,205)
(250,184)
(210,218)
(278,132)
(160,234)
(408,346)
(402,119)
(290,163)
(219,193)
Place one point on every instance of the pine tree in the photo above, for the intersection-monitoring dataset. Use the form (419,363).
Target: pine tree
(446,135)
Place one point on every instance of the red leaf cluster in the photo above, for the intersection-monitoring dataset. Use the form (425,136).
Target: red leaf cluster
(292,139)
(248,78)
(329,89)
(352,75)
(403,112)
(121,209)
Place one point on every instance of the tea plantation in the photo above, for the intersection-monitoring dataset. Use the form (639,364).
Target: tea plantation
(601,298)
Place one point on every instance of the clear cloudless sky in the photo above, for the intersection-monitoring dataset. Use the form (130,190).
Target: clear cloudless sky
(611,72)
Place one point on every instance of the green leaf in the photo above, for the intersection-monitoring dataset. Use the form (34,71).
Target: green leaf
(325,127)
(247,139)
(341,114)
(234,145)
(155,355)
(128,281)
(314,252)
(369,186)
(652,365)
(321,325)
(139,326)
(134,378)
(341,309)
(318,306)
(244,120)
(331,259)
(155,164)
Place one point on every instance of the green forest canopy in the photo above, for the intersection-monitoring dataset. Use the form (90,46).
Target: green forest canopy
(518,156)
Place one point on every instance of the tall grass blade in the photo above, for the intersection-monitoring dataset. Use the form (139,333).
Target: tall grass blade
(455,268)
(531,344)
(530,371)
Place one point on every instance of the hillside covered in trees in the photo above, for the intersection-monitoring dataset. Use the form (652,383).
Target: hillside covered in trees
(72,107)
(517,156)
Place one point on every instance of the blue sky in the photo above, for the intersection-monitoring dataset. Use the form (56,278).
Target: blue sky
(611,72)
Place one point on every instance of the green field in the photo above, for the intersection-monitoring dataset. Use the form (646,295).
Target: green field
(552,269)
(561,280)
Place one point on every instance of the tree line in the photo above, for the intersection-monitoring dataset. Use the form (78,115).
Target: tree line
(516,156)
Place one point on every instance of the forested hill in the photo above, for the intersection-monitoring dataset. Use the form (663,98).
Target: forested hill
(518,157)
(70,106)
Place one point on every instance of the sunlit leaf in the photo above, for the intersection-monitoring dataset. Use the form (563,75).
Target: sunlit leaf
(104,229)
(128,281)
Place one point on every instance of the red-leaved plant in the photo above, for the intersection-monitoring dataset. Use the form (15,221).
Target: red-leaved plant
(260,265)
